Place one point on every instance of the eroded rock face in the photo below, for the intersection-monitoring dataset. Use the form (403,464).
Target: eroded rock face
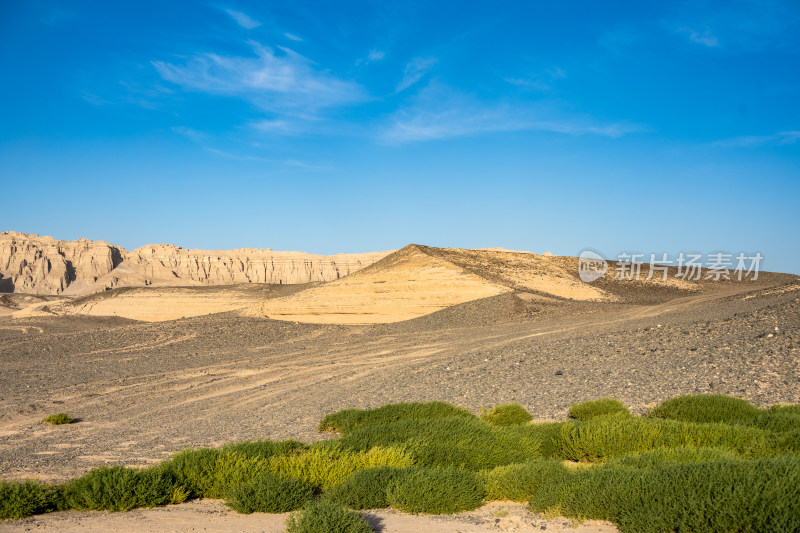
(249,265)
(43,265)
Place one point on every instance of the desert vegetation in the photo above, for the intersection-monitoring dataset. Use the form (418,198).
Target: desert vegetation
(693,463)
(58,419)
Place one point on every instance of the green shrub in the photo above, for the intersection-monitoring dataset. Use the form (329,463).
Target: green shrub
(269,494)
(323,467)
(195,469)
(326,517)
(21,499)
(118,488)
(615,435)
(366,489)
(720,495)
(351,419)
(58,419)
(791,409)
(436,491)
(209,473)
(506,415)
(600,493)
(679,455)
(701,408)
(520,482)
(450,442)
(787,443)
(778,422)
(265,449)
(591,409)
(549,434)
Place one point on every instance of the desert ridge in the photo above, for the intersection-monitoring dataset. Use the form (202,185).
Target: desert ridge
(413,282)
(39,265)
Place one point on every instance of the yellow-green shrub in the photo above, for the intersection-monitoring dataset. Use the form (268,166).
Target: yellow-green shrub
(323,467)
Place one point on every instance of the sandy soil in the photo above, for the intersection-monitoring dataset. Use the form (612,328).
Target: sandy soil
(212,515)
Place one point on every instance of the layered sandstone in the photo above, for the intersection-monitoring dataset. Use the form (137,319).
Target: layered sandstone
(42,265)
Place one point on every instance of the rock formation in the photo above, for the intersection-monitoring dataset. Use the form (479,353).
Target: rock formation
(43,265)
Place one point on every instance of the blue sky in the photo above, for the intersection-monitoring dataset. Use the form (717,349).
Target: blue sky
(355,126)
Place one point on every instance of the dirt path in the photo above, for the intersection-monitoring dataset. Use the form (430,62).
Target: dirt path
(211,515)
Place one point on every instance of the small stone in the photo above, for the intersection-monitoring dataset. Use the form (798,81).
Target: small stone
(559,372)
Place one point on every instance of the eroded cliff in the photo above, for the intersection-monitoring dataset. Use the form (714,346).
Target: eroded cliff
(43,265)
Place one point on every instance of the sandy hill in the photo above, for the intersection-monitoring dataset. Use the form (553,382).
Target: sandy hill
(419,280)
(455,285)
(34,264)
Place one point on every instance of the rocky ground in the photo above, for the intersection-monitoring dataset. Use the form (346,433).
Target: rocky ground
(143,391)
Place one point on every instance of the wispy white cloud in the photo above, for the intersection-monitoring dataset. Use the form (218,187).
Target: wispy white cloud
(372,57)
(705,37)
(282,126)
(94,99)
(242,19)
(439,112)
(306,166)
(192,134)
(746,24)
(208,143)
(235,157)
(542,81)
(414,71)
(292,36)
(282,82)
(780,138)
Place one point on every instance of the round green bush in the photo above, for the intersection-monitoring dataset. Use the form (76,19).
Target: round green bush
(451,442)
(778,422)
(437,491)
(118,488)
(520,482)
(350,419)
(706,408)
(269,494)
(265,449)
(58,419)
(21,499)
(326,517)
(196,470)
(366,489)
(677,455)
(511,414)
(591,409)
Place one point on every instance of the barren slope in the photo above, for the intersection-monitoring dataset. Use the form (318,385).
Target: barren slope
(407,284)
(419,280)
(156,304)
